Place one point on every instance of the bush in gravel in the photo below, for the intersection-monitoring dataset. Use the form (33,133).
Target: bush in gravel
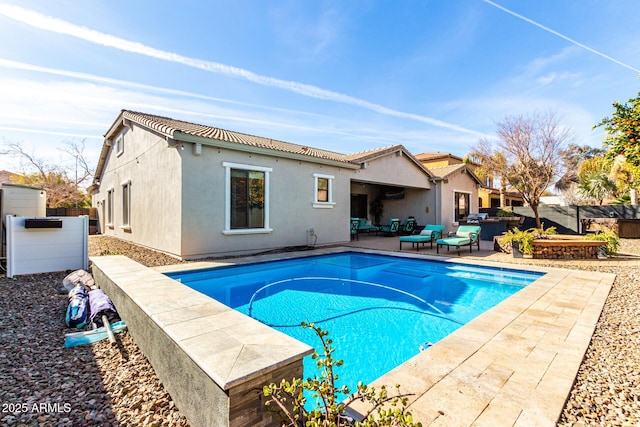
(609,236)
(289,399)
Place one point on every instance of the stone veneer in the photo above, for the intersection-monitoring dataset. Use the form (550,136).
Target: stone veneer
(212,360)
(567,249)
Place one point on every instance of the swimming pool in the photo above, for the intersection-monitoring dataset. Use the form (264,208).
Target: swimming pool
(380,310)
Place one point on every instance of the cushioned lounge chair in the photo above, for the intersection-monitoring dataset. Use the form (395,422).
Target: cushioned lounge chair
(408,226)
(392,228)
(466,235)
(363,227)
(428,234)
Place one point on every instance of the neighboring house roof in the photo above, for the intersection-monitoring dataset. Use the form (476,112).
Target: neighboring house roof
(5,177)
(429,157)
(444,172)
(178,130)
(513,194)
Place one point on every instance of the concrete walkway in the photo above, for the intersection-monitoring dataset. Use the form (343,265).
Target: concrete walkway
(486,253)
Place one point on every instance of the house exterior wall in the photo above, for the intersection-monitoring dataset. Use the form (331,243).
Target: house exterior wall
(489,199)
(414,203)
(457,183)
(393,170)
(153,169)
(291,209)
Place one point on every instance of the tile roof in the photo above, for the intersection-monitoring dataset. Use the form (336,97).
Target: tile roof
(179,130)
(438,155)
(362,156)
(169,127)
(446,171)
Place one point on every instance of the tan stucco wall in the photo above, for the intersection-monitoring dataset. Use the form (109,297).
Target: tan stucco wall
(414,204)
(154,170)
(458,182)
(291,209)
(393,170)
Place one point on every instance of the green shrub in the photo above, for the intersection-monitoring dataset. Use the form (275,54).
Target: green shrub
(609,236)
(108,251)
(524,238)
(505,213)
(288,401)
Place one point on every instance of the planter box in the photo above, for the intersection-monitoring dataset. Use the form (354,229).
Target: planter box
(567,247)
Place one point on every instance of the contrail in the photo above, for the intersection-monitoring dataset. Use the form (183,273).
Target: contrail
(46,132)
(569,39)
(56,25)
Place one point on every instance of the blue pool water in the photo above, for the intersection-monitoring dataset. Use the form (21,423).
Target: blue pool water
(379,310)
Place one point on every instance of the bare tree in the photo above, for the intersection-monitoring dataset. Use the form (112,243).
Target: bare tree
(527,155)
(62,183)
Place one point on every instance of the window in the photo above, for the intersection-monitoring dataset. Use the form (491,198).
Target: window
(126,205)
(323,191)
(322,194)
(461,205)
(109,218)
(119,145)
(247,199)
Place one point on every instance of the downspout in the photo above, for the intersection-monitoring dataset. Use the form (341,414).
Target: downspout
(438,214)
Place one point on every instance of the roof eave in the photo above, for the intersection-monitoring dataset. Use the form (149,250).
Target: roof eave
(184,137)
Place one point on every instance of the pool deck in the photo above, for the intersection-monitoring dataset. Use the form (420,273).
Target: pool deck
(512,366)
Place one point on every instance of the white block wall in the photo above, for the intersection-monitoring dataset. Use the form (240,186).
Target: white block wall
(42,250)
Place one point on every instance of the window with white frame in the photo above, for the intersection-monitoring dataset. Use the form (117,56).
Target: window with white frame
(323,191)
(126,205)
(246,199)
(119,145)
(109,219)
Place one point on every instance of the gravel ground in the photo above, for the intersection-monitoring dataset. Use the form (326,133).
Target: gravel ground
(44,384)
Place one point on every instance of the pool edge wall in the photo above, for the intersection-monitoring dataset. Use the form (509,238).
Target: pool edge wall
(204,402)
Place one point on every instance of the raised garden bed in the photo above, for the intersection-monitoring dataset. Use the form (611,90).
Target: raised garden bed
(562,247)
(566,247)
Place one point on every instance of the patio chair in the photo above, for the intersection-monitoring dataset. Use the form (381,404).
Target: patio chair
(408,226)
(354,228)
(363,227)
(392,228)
(466,235)
(428,234)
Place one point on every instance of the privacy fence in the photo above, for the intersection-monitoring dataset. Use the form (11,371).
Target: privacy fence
(568,219)
(92,213)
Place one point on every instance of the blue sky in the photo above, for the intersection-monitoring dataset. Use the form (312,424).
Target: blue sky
(345,76)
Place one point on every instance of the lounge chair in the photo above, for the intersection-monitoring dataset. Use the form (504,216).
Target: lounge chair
(354,228)
(363,227)
(392,228)
(408,226)
(465,235)
(428,234)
